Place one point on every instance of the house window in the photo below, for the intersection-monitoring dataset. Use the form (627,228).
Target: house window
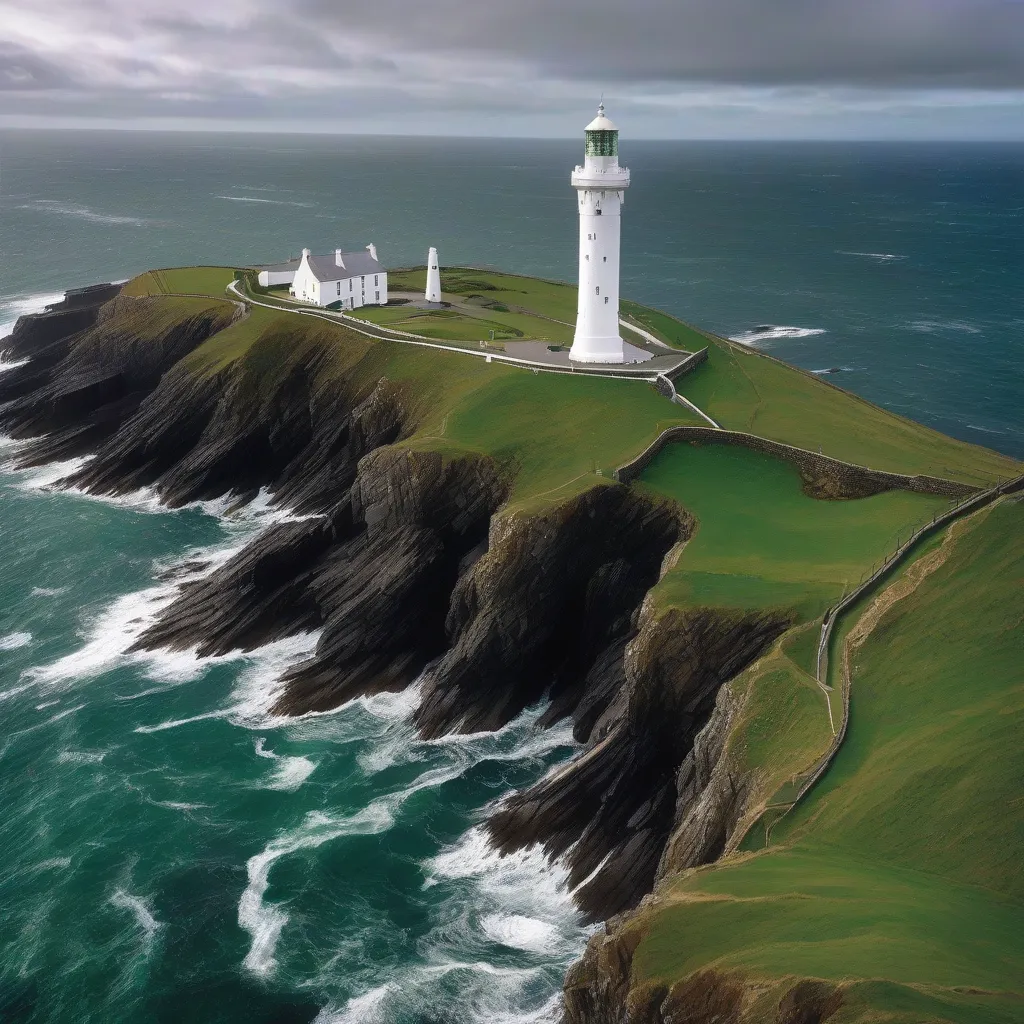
(606,300)
(598,211)
(597,290)
(339,287)
(588,237)
(377,296)
(375,279)
(350,284)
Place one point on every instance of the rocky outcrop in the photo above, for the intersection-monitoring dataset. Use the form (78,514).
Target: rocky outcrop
(78,389)
(547,611)
(600,989)
(611,811)
(409,565)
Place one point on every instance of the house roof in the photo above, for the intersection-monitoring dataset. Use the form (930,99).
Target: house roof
(356,263)
(280,268)
(325,269)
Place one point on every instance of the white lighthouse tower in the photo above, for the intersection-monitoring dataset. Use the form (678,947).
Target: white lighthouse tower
(433,292)
(600,189)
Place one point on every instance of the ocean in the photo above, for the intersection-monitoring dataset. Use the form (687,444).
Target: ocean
(170,850)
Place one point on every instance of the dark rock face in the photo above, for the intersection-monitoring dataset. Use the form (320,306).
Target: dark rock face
(600,989)
(613,808)
(540,611)
(404,565)
(77,389)
(376,573)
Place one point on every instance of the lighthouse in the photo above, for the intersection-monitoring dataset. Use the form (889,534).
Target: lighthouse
(600,191)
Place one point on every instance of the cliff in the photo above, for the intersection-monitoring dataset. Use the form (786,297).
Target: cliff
(444,535)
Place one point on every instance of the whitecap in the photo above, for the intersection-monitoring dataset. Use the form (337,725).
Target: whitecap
(45,478)
(365,1009)
(47,591)
(264,922)
(80,756)
(881,257)
(943,326)
(143,916)
(772,332)
(83,213)
(22,305)
(290,772)
(13,641)
(521,932)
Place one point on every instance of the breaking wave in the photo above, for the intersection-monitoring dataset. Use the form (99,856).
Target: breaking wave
(773,332)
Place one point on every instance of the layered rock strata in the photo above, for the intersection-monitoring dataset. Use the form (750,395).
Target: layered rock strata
(411,566)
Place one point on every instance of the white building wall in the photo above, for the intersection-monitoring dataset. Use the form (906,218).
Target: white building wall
(272,278)
(361,290)
(597,313)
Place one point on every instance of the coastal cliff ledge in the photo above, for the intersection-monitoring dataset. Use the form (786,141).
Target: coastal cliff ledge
(456,525)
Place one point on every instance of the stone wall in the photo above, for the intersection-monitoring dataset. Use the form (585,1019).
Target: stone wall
(688,365)
(837,479)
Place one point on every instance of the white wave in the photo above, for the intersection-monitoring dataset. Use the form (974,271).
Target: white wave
(365,1009)
(943,326)
(13,363)
(13,641)
(47,704)
(45,478)
(985,430)
(290,772)
(22,305)
(521,932)
(772,332)
(264,922)
(177,805)
(52,864)
(176,723)
(253,199)
(47,591)
(113,631)
(143,916)
(80,756)
(83,213)
(882,257)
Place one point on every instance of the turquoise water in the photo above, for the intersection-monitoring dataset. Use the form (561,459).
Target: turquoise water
(170,851)
(167,844)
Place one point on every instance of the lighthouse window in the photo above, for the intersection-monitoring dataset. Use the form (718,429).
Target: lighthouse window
(597,290)
(604,259)
(606,300)
(339,287)
(375,279)
(587,257)
(598,211)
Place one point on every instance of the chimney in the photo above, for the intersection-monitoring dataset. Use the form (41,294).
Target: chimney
(372,250)
(338,261)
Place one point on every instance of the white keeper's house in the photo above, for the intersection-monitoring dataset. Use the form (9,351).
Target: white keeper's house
(346,280)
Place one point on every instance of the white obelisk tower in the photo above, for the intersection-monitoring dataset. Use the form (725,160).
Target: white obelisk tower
(600,189)
(433,292)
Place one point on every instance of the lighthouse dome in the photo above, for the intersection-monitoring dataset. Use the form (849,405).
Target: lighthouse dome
(601,123)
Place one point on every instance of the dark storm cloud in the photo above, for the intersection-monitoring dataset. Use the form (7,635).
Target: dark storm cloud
(22,70)
(317,59)
(758,42)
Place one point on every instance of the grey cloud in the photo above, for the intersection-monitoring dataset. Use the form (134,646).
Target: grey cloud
(248,59)
(21,71)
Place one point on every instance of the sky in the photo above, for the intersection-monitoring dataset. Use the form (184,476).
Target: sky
(880,69)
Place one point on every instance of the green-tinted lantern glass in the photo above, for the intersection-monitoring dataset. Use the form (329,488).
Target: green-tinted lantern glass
(602,143)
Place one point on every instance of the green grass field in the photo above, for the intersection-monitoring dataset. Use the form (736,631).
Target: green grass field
(761,541)
(904,862)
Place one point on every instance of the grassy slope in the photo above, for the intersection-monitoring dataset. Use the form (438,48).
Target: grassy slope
(761,541)
(904,862)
